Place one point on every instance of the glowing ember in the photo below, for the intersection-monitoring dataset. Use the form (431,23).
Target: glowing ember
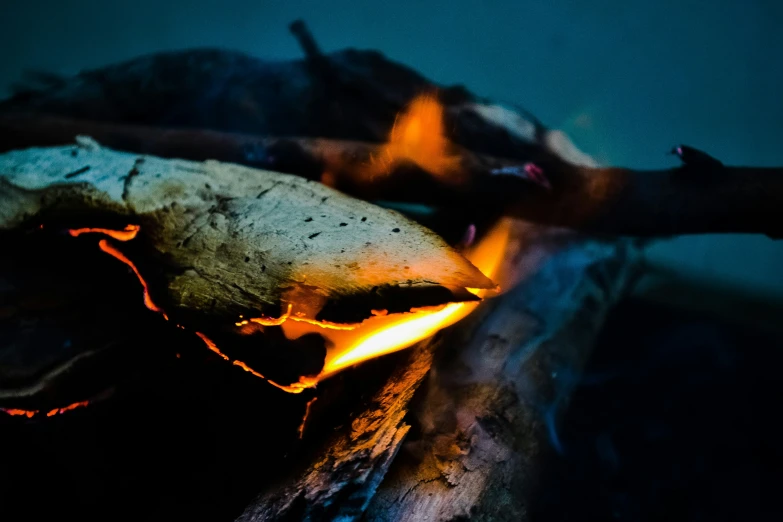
(14,412)
(383,334)
(293,388)
(418,135)
(306,414)
(126,234)
(106,247)
(70,407)
(51,413)
(212,345)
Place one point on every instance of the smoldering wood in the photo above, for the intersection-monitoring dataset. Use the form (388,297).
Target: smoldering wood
(270,231)
(219,242)
(481,422)
(487,418)
(688,199)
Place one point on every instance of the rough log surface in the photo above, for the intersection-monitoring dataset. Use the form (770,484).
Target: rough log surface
(339,483)
(233,240)
(488,413)
(481,421)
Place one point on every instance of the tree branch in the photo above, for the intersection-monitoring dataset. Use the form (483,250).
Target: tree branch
(697,197)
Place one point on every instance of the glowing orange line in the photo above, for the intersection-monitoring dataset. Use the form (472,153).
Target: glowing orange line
(248,369)
(15,412)
(31,413)
(306,414)
(106,247)
(128,233)
(327,324)
(298,387)
(212,346)
(271,321)
(68,408)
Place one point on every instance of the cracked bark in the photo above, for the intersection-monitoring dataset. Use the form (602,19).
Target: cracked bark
(211,251)
(484,421)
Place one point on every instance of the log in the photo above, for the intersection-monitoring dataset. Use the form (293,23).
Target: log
(487,418)
(478,429)
(345,95)
(217,242)
(341,479)
(694,198)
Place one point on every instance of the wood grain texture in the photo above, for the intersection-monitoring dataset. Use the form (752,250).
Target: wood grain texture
(488,413)
(233,240)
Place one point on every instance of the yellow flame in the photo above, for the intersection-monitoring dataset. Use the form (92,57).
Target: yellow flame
(383,334)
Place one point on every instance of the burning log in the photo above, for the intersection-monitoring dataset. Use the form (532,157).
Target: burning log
(294,282)
(226,251)
(481,428)
(542,187)
(486,422)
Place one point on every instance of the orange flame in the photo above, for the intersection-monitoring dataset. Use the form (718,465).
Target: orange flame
(383,334)
(418,135)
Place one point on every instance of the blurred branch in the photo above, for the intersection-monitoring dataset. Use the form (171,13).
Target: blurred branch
(700,196)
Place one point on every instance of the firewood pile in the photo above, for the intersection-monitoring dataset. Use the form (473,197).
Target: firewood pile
(212,265)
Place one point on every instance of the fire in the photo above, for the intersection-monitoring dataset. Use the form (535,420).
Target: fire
(383,334)
(70,407)
(418,135)
(51,413)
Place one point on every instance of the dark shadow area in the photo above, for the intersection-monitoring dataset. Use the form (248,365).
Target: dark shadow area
(172,432)
(675,418)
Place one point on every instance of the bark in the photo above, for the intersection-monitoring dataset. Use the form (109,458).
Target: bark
(208,218)
(220,241)
(340,480)
(481,422)
(487,418)
(701,197)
